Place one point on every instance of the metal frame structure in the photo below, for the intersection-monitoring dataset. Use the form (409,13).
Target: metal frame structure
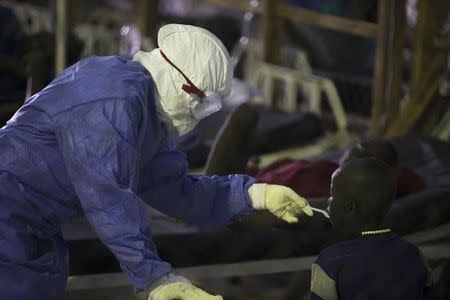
(391,115)
(429,66)
(436,251)
(388,33)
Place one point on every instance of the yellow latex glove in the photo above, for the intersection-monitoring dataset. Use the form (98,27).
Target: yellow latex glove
(174,287)
(280,200)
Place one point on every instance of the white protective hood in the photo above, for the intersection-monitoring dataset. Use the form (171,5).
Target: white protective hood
(200,55)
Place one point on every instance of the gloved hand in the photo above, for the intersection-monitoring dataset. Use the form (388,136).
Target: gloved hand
(281,201)
(173,287)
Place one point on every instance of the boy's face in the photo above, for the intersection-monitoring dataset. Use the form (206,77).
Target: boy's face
(341,210)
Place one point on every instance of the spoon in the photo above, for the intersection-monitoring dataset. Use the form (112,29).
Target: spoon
(323,212)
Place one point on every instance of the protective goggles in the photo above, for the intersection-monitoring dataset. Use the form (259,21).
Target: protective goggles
(201,104)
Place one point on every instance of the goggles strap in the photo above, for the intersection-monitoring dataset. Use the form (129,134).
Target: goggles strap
(189,88)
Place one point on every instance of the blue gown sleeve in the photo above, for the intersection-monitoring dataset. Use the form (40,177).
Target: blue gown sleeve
(207,202)
(100,143)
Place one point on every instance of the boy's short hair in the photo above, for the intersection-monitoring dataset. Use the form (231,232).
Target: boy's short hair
(379,149)
(369,183)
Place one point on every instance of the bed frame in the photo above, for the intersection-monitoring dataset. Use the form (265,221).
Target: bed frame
(434,244)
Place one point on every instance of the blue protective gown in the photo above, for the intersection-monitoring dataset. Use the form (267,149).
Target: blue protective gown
(91,142)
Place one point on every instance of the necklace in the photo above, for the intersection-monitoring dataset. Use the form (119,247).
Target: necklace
(379,231)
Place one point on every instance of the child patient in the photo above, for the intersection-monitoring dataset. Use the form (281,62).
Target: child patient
(372,262)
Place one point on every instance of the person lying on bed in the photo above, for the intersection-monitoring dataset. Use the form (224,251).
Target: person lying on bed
(372,262)
(312,178)
(309,178)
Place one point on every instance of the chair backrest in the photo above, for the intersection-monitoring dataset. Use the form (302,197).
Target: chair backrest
(32,19)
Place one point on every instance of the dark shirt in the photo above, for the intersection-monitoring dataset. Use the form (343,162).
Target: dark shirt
(381,266)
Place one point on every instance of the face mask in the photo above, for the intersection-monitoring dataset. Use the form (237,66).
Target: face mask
(201,104)
(201,108)
(177,118)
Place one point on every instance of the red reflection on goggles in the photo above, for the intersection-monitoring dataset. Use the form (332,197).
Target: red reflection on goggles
(189,88)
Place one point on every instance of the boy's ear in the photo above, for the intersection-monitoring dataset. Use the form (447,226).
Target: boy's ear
(351,208)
